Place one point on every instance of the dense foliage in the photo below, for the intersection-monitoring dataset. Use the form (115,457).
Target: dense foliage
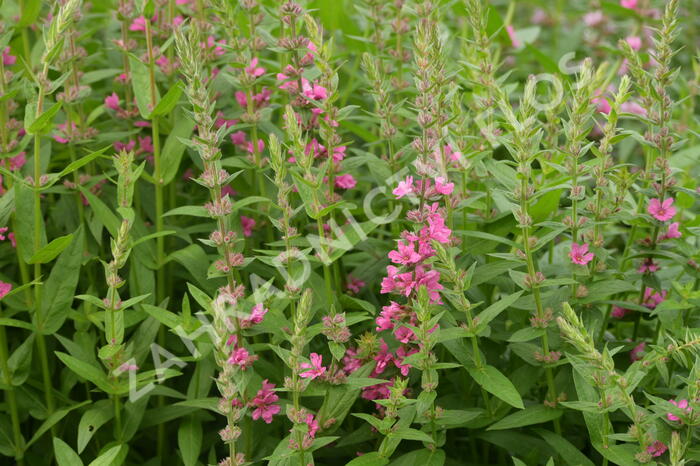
(407,232)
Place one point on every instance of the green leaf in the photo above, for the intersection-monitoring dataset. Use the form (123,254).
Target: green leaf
(190,210)
(102,212)
(30,12)
(92,420)
(169,100)
(40,124)
(491,312)
(141,83)
(51,250)
(108,457)
(411,434)
(65,455)
(189,439)
(496,383)
(87,371)
(568,452)
(53,419)
(174,148)
(531,415)
(24,224)
(59,289)
(81,162)
(165,317)
(369,459)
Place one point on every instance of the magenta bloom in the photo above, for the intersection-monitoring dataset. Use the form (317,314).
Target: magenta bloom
(405,187)
(138,24)
(631,4)
(657,448)
(313,425)
(682,404)
(513,38)
(633,107)
(661,211)
(442,187)
(405,254)
(653,298)
(637,351)
(635,42)
(7,58)
(602,104)
(619,312)
(263,403)
(315,369)
(593,18)
(345,181)
(254,70)
(257,314)
(579,254)
(4,289)
(112,101)
(247,224)
(672,231)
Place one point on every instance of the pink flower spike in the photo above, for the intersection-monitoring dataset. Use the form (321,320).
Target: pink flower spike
(579,254)
(631,4)
(661,211)
(315,369)
(405,187)
(4,289)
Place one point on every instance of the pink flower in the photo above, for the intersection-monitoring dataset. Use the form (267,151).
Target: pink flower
(121,146)
(593,18)
(602,104)
(112,101)
(436,229)
(263,403)
(12,239)
(138,24)
(382,359)
(579,254)
(405,254)
(405,187)
(350,361)
(345,181)
(17,162)
(631,4)
(619,312)
(227,190)
(354,285)
(653,298)
(682,404)
(313,91)
(634,108)
(315,369)
(648,266)
(384,319)
(242,358)
(247,224)
(402,354)
(672,231)
(513,38)
(257,314)
(442,187)
(662,211)
(313,425)
(8,59)
(635,42)
(253,69)
(637,351)
(4,289)
(657,448)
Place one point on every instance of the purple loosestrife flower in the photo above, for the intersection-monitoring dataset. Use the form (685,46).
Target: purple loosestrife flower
(681,404)
(264,403)
(661,211)
(579,254)
(315,369)
(4,289)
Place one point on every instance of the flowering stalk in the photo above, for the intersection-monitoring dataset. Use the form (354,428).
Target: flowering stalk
(523,144)
(575,333)
(53,45)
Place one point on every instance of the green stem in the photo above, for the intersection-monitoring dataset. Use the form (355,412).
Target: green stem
(10,396)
